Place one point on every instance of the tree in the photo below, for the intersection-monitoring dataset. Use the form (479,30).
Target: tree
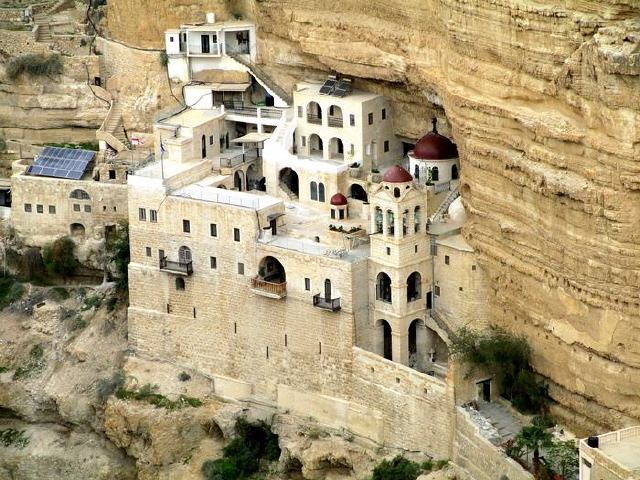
(533,438)
(399,468)
(59,258)
(563,457)
(119,250)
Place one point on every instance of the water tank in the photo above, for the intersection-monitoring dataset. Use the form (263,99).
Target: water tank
(593,442)
(211,17)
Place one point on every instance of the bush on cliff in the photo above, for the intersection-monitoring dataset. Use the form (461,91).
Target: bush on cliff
(34,65)
(59,258)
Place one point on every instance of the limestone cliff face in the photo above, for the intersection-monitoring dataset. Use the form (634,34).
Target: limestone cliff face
(543,100)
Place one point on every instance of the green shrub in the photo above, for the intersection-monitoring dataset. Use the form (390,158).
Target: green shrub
(79,323)
(59,294)
(11,437)
(35,364)
(59,258)
(108,386)
(147,394)
(34,65)
(91,302)
(119,250)
(184,376)
(31,265)
(164,58)
(399,468)
(10,291)
(111,304)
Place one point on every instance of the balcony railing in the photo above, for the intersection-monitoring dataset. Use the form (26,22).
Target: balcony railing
(214,49)
(314,119)
(268,289)
(181,268)
(331,304)
(335,122)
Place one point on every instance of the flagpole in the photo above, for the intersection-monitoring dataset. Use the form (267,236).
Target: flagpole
(161,158)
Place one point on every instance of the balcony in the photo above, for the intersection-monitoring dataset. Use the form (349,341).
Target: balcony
(268,289)
(314,119)
(331,304)
(179,268)
(196,49)
(335,122)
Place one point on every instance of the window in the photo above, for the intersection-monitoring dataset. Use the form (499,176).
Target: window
(352,149)
(214,262)
(142,214)
(153,216)
(386,145)
(370,117)
(415,248)
(473,267)
(76,207)
(112,174)
(435,175)
(321,192)
(304,141)
(240,268)
(171,39)
(446,259)
(307,284)
(213,228)
(148,251)
(210,139)
(388,250)
(352,120)
(87,208)
(186,226)
(299,111)
(160,254)
(179,283)
(236,234)
(313,187)
(436,290)
(80,195)
(39,208)
(52,209)
(384,114)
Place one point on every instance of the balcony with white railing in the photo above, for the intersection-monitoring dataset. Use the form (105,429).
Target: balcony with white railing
(212,50)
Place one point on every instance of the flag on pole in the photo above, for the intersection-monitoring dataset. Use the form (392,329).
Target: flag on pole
(162,149)
(136,141)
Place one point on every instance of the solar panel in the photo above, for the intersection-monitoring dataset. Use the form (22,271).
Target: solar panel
(343,88)
(328,86)
(61,163)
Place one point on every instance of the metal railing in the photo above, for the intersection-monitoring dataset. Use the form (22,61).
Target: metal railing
(314,119)
(334,121)
(184,268)
(271,289)
(214,49)
(239,159)
(261,112)
(331,304)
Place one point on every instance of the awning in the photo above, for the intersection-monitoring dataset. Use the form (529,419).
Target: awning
(228,87)
(253,137)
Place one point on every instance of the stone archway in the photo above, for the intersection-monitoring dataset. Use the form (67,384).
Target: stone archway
(76,230)
(289,178)
(385,346)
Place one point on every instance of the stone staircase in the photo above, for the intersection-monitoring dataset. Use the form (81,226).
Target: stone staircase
(61,5)
(504,421)
(44,31)
(455,193)
(112,130)
(262,78)
(287,191)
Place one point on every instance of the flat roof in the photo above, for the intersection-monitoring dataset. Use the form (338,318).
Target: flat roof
(313,90)
(626,452)
(207,193)
(455,241)
(229,24)
(191,117)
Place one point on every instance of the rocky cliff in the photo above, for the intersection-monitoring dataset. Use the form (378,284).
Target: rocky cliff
(543,100)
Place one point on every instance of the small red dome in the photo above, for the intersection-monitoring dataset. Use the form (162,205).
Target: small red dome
(434,146)
(397,174)
(339,199)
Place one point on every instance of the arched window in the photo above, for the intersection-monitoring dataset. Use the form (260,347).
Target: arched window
(378,219)
(435,175)
(454,172)
(204,146)
(405,222)
(80,195)
(396,192)
(314,191)
(414,284)
(390,223)
(321,192)
(327,289)
(184,254)
(416,220)
(383,287)
(179,283)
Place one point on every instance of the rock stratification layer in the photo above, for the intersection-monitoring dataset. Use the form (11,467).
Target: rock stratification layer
(543,101)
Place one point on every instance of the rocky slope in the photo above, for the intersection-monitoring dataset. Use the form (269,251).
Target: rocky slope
(543,100)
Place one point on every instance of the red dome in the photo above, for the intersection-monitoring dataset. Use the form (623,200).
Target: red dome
(397,174)
(434,146)
(339,199)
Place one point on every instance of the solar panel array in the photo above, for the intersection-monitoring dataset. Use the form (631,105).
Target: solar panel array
(61,163)
(343,88)
(329,85)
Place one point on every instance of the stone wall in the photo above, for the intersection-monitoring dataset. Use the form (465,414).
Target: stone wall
(481,458)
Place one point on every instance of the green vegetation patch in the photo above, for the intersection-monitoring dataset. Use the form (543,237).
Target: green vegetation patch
(34,65)
(35,365)
(147,394)
(59,258)
(10,291)
(11,437)
(254,442)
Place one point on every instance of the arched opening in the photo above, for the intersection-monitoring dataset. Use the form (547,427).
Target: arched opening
(358,193)
(238,179)
(378,219)
(435,174)
(416,220)
(313,188)
(289,178)
(271,270)
(413,340)
(396,192)
(321,192)
(327,289)
(384,339)
(204,146)
(314,113)
(179,283)
(390,223)
(79,195)
(437,350)
(405,222)
(336,148)
(184,254)
(414,286)
(383,287)
(315,145)
(335,116)
(454,172)
(253,178)
(76,230)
